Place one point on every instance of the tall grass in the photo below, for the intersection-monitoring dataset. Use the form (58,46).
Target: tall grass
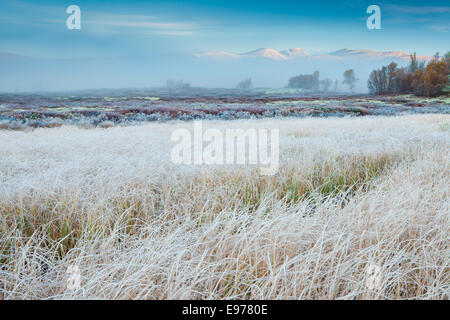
(353,193)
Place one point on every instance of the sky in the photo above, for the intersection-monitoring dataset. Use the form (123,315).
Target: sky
(37,28)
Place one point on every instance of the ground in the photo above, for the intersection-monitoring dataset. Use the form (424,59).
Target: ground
(112,108)
(352,195)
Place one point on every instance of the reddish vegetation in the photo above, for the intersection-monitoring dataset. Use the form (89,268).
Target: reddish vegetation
(416,104)
(255,99)
(163,110)
(41,111)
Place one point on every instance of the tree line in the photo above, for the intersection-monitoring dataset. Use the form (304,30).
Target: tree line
(313,82)
(418,78)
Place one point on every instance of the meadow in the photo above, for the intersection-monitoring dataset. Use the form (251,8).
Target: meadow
(108,108)
(350,194)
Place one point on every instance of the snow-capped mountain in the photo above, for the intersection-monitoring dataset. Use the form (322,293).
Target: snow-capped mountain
(294,53)
(299,53)
(258,53)
(217,54)
(355,53)
(266,53)
(368,53)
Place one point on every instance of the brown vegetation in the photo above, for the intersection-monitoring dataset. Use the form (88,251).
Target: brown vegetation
(429,80)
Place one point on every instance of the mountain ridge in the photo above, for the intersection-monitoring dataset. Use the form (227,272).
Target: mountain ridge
(296,53)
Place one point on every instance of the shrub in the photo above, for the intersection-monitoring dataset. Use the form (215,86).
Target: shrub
(106,124)
(11,125)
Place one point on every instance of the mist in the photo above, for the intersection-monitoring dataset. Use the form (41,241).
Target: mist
(25,74)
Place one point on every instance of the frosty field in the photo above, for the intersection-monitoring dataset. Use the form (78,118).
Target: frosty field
(351,193)
(107,108)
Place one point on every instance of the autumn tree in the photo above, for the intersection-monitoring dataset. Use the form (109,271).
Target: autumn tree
(418,82)
(435,78)
(447,61)
(377,82)
(405,81)
(447,58)
(430,80)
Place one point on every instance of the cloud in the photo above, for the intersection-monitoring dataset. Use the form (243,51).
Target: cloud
(171,33)
(430,17)
(146,25)
(420,10)
(440,28)
(118,23)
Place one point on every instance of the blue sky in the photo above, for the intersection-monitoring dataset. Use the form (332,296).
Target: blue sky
(117,28)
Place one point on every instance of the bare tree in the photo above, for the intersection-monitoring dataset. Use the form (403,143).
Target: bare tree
(326,84)
(177,85)
(245,84)
(350,79)
(414,64)
(336,85)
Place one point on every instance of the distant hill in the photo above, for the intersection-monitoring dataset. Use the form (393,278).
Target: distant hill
(299,53)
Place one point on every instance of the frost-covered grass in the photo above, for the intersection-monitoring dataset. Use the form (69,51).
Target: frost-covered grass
(28,112)
(350,193)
